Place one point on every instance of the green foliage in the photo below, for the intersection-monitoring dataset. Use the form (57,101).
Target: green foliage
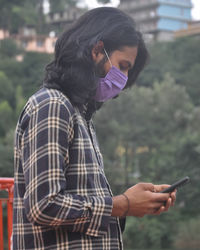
(8,48)
(24,14)
(6,87)
(60,5)
(6,153)
(16,14)
(188,234)
(181,58)
(33,68)
(18,80)
(29,73)
(7,12)
(20,100)
(6,115)
(150,232)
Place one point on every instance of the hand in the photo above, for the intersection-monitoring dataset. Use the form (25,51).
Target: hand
(170,202)
(144,198)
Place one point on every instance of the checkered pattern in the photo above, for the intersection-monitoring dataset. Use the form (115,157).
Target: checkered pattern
(62,199)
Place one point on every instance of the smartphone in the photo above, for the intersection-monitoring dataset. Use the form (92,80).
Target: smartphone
(176,185)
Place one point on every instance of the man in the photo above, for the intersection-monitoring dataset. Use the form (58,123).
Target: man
(62,199)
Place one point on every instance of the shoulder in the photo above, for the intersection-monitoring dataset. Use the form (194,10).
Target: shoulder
(47,102)
(50,97)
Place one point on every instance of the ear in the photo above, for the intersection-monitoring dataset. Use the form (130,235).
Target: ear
(97,51)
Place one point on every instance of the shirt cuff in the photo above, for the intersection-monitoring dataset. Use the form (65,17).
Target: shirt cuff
(101,210)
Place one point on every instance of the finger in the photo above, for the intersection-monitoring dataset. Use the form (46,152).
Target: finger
(168,204)
(156,205)
(159,188)
(159,211)
(163,208)
(173,196)
(160,197)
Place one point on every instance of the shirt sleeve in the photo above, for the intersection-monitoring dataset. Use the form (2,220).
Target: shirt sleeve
(45,153)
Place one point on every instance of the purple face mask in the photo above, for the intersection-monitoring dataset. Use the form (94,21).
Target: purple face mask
(111,85)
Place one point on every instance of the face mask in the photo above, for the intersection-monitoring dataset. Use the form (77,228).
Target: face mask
(111,85)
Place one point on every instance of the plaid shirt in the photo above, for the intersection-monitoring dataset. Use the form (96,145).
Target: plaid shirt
(62,199)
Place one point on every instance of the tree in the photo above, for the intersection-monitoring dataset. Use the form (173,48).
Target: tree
(60,5)
(6,88)
(20,100)
(152,135)
(6,112)
(7,11)
(6,153)
(9,48)
(181,59)
(150,232)
(33,68)
(16,14)
(188,234)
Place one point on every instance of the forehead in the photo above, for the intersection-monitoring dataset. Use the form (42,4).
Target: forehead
(125,53)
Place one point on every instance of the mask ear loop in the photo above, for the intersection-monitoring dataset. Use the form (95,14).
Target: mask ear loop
(107,57)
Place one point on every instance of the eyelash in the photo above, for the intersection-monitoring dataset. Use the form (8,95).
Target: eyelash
(123,68)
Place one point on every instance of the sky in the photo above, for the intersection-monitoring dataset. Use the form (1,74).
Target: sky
(195,10)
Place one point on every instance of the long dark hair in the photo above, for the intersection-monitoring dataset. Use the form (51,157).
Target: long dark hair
(73,71)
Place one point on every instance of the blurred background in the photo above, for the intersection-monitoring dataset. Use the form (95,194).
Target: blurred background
(152,131)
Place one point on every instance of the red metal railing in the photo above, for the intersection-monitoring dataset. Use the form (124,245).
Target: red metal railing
(6,184)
